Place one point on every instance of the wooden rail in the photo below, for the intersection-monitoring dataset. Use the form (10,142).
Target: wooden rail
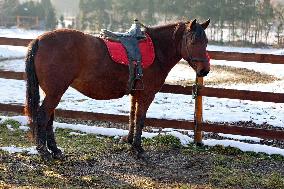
(163,123)
(204,91)
(197,125)
(217,55)
(14,41)
(247,57)
(12,75)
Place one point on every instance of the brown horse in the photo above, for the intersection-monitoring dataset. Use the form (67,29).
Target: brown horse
(63,58)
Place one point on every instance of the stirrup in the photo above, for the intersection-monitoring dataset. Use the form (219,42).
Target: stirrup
(134,84)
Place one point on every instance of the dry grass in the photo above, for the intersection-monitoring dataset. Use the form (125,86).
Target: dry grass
(231,75)
(102,162)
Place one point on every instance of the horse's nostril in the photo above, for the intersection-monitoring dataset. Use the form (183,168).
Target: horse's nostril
(203,72)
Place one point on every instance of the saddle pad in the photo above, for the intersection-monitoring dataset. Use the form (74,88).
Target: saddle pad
(119,55)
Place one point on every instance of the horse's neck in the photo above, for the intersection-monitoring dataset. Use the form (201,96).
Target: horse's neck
(167,45)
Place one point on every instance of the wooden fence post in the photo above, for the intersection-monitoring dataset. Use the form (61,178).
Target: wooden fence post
(198,112)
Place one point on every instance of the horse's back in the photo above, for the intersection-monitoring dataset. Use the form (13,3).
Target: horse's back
(69,57)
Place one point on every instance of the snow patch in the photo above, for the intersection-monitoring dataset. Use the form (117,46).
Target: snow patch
(20,33)
(12,52)
(258,148)
(14,149)
(24,128)
(10,128)
(240,137)
(77,134)
(23,120)
(184,139)
(279,52)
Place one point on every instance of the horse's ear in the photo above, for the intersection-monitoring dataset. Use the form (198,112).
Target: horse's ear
(192,24)
(205,24)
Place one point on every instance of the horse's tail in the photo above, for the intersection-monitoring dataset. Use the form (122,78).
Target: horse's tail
(32,88)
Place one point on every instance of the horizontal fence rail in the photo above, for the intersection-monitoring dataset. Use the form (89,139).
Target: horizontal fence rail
(204,91)
(163,123)
(177,89)
(14,41)
(217,55)
(247,57)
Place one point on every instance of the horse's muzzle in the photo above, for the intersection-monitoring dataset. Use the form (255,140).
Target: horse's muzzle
(202,73)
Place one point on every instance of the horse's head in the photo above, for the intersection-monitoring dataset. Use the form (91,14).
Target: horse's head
(193,49)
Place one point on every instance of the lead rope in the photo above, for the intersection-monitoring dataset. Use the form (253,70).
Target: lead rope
(195,89)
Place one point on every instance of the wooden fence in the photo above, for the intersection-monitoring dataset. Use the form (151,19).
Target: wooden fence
(197,125)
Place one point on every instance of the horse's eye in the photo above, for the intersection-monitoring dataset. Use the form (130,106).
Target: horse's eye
(192,41)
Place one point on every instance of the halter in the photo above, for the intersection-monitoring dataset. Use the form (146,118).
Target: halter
(203,60)
(192,59)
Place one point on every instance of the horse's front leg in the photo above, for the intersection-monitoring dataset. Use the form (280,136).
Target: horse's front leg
(129,137)
(136,145)
(141,110)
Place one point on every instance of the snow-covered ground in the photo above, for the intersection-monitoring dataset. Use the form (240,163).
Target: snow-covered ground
(12,51)
(15,51)
(20,33)
(169,106)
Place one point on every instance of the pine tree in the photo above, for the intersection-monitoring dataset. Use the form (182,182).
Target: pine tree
(49,13)
(247,21)
(279,17)
(9,7)
(62,22)
(30,8)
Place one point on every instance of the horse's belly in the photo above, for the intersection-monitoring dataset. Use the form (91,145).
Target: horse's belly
(100,90)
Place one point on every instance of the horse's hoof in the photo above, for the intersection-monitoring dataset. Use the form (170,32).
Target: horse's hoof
(142,156)
(44,153)
(59,155)
(138,151)
(126,139)
(46,156)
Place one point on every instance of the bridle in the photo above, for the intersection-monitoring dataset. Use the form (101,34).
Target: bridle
(192,59)
(202,60)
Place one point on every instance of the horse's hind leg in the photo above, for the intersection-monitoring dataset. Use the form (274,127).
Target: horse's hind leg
(44,116)
(51,143)
(42,119)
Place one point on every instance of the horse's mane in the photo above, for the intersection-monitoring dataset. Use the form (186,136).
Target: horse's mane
(163,30)
(162,27)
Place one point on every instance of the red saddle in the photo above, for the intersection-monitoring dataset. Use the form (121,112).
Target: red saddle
(119,55)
